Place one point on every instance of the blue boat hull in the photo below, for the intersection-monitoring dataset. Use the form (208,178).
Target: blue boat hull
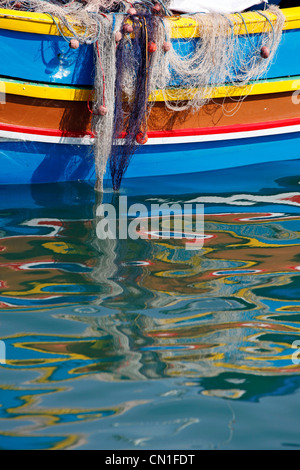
(47,144)
(48,59)
(39,162)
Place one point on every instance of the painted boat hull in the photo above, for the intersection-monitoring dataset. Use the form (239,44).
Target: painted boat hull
(45,134)
(49,162)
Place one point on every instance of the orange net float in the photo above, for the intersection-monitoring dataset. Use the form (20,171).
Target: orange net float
(101,110)
(74,44)
(167,46)
(156,8)
(152,47)
(265,52)
(118,36)
(142,138)
(132,11)
(128,28)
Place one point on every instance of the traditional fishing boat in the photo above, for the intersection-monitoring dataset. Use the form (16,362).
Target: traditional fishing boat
(47,111)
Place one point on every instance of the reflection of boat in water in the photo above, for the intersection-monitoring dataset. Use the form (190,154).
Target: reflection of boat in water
(152,310)
(159,340)
(47,259)
(45,122)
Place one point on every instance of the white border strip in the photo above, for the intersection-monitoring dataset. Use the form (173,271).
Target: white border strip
(8,136)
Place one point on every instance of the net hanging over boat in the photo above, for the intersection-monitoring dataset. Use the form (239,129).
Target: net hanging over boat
(139,49)
(219,6)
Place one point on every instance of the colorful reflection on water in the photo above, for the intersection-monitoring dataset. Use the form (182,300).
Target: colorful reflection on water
(144,344)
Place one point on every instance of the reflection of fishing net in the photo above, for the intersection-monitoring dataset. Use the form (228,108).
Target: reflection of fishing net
(142,51)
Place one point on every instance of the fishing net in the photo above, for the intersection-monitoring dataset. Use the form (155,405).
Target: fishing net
(219,57)
(139,52)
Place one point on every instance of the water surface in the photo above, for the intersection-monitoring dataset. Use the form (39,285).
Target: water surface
(142,344)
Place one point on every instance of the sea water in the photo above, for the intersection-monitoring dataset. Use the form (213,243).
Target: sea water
(144,344)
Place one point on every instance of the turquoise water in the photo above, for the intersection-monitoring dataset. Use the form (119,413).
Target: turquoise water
(142,344)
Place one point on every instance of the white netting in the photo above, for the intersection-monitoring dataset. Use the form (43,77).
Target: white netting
(220,57)
(214,55)
(104,86)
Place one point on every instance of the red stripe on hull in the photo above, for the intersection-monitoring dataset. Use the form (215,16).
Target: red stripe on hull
(160,134)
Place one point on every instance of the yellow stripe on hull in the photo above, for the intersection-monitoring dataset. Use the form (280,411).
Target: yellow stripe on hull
(67,93)
(182,27)
(44,91)
(262,87)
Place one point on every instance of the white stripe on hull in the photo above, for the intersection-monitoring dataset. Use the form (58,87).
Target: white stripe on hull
(10,136)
